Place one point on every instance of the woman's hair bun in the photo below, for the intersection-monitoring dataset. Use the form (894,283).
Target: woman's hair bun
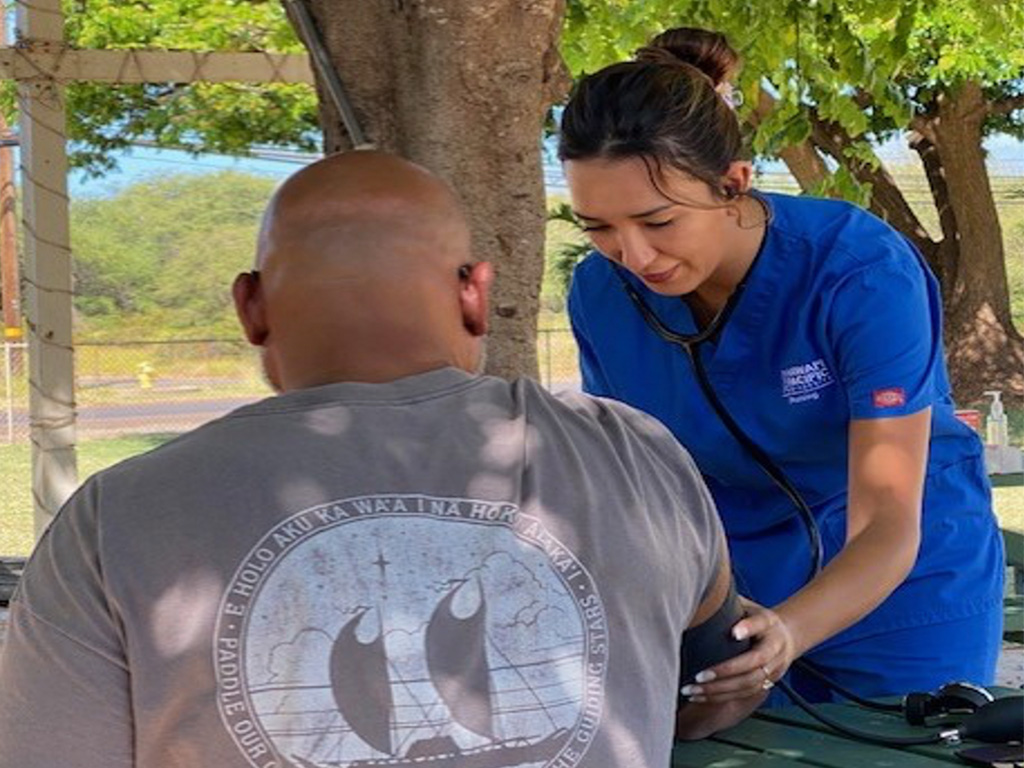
(702,49)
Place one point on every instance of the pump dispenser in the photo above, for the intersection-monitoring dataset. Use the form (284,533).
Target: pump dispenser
(995,425)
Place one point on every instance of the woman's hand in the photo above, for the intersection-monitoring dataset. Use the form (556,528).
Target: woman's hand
(754,672)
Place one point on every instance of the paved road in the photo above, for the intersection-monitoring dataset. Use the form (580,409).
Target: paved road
(163,416)
(163,409)
(170,415)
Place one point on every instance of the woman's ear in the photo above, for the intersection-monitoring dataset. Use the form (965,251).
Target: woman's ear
(474,296)
(738,178)
(248,295)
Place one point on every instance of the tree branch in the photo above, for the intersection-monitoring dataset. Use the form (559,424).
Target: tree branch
(945,258)
(887,200)
(1007,105)
(803,160)
(922,125)
(863,98)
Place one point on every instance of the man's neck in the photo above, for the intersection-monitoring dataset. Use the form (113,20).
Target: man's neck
(377,372)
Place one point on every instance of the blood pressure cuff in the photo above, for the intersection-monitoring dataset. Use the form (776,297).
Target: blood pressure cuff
(711,642)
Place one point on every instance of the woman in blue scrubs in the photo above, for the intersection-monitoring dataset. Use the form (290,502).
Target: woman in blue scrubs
(825,348)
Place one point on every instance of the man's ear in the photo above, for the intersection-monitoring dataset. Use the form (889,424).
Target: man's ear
(474,297)
(248,295)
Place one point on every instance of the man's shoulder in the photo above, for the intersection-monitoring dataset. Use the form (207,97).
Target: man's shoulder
(601,417)
(183,461)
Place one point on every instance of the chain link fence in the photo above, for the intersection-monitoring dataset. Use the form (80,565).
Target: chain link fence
(132,388)
(168,387)
(132,396)
(15,383)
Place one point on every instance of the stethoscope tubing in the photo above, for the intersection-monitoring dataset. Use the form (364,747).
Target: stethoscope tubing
(690,344)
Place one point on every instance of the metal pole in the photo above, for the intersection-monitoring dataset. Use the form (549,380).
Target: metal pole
(310,36)
(47,268)
(9,384)
(9,245)
(9,277)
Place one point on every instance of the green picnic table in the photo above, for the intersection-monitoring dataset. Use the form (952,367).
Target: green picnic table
(789,738)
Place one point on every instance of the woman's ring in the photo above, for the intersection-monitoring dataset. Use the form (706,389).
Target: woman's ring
(766,684)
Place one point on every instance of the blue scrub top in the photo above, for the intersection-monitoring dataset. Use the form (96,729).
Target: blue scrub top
(839,319)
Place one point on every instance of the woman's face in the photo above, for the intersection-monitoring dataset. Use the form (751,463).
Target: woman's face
(674,247)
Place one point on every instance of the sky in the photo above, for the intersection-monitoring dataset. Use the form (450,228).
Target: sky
(1006,158)
(142,163)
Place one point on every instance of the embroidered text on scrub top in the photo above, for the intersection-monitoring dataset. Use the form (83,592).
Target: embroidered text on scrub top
(802,382)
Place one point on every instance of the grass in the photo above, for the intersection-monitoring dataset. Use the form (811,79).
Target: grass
(113,374)
(16,534)
(16,531)
(557,359)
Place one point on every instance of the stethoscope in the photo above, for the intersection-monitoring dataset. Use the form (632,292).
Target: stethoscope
(690,343)
(996,722)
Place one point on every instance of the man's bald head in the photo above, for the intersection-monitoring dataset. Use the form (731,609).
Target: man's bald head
(359,262)
(361,198)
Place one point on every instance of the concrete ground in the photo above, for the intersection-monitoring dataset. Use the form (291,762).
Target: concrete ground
(1010,668)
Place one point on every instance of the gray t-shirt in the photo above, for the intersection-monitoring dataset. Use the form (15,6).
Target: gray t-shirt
(445,570)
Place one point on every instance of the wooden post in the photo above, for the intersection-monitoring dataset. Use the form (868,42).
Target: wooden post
(40,64)
(47,270)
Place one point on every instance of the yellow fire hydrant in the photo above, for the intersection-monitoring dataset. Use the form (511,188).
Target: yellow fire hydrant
(145,375)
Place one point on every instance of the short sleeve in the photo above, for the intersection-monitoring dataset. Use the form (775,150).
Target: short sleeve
(885,329)
(671,480)
(64,683)
(707,526)
(595,382)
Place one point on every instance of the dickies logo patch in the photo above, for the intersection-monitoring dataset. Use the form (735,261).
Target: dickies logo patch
(802,382)
(893,397)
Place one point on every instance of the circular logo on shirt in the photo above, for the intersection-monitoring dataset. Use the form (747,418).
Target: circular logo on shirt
(402,630)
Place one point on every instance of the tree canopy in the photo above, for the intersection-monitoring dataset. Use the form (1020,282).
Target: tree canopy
(868,66)
(824,81)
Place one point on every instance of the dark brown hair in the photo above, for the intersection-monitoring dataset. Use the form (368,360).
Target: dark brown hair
(662,107)
(708,51)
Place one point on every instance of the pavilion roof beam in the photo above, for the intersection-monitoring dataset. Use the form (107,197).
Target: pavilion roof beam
(34,59)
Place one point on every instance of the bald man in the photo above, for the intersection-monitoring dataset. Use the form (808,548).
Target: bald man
(394,561)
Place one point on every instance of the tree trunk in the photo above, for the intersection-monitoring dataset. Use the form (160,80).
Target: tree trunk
(802,159)
(887,200)
(984,349)
(946,256)
(463,89)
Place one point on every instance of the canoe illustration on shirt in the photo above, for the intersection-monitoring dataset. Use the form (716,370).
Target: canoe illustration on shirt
(459,673)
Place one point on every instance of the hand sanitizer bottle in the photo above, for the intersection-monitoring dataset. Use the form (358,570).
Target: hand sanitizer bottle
(995,424)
